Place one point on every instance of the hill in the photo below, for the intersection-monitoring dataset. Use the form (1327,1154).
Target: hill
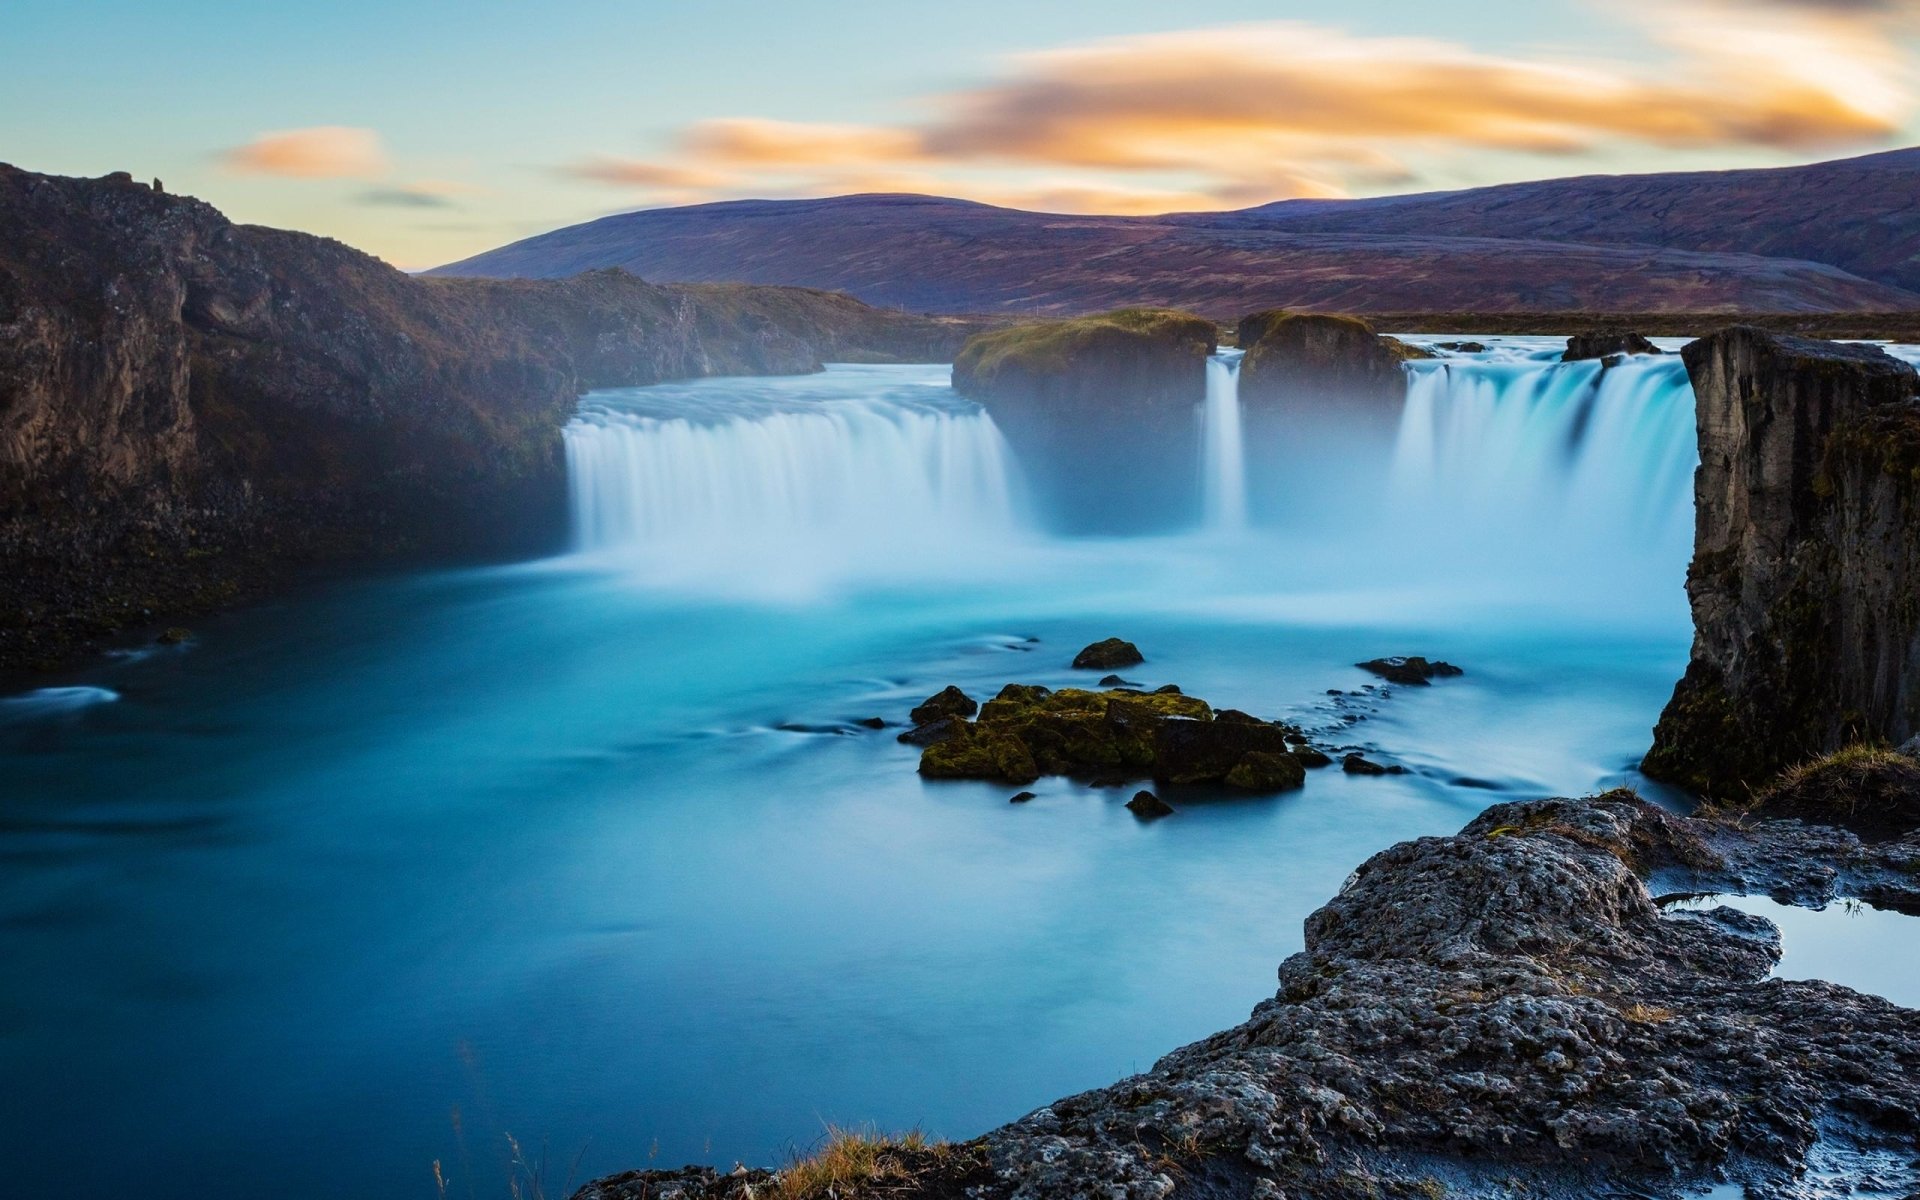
(1832,237)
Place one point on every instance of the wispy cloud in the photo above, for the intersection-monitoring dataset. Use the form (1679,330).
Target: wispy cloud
(322,152)
(420,193)
(1238,114)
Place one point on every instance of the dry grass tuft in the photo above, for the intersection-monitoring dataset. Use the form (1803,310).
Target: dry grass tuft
(859,1162)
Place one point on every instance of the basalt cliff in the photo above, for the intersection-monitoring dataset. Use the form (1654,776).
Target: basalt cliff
(191,411)
(1101,407)
(1805,581)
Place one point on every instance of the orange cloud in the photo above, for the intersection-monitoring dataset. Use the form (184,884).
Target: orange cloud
(636,172)
(1241,114)
(751,141)
(1313,95)
(323,152)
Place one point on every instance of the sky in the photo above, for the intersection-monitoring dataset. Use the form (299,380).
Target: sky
(425,131)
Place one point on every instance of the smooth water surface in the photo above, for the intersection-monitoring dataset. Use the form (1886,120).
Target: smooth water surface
(590,851)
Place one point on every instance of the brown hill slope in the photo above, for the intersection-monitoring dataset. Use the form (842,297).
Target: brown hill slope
(1836,237)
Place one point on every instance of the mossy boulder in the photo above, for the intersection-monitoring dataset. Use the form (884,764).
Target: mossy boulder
(949,701)
(1265,771)
(1195,751)
(1107,655)
(1116,735)
(980,752)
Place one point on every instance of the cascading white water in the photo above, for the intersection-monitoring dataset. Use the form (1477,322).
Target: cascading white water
(773,479)
(1224,470)
(1518,459)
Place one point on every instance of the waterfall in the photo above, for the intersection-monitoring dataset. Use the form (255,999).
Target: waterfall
(769,478)
(1533,462)
(1224,465)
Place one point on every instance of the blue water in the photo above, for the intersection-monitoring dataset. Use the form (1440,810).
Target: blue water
(376,875)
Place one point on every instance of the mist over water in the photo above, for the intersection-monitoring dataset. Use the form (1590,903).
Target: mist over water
(592,850)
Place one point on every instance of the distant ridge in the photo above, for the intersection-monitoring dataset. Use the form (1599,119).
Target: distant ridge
(1831,237)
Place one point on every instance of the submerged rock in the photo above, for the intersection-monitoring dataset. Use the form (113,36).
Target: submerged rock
(1805,580)
(871,722)
(1107,654)
(1149,807)
(1508,1011)
(1409,669)
(938,730)
(174,636)
(949,701)
(1020,797)
(1359,764)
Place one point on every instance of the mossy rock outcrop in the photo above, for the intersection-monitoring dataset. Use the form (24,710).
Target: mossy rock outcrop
(1129,356)
(1320,361)
(1027,731)
(1097,402)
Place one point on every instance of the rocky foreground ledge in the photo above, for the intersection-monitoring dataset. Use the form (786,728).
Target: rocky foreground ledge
(1505,1012)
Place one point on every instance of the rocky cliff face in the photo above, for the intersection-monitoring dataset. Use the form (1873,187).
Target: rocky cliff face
(1104,410)
(189,408)
(1302,363)
(1508,1011)
(1805,580)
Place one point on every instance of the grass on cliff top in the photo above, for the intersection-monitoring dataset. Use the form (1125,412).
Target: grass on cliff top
(1052,345)
(858,1162)
(1839,781)
(1867,788)
(1255,326)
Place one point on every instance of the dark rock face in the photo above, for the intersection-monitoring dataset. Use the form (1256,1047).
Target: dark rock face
(1108,654)
(1805,581)
(1186,750)
(949,701)
(1410,669)
(190,410)
(1509,1011)
(1606,343)
(1301,363)
(1101,410)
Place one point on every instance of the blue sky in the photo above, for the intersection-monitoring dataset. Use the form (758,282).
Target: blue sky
(424,131)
